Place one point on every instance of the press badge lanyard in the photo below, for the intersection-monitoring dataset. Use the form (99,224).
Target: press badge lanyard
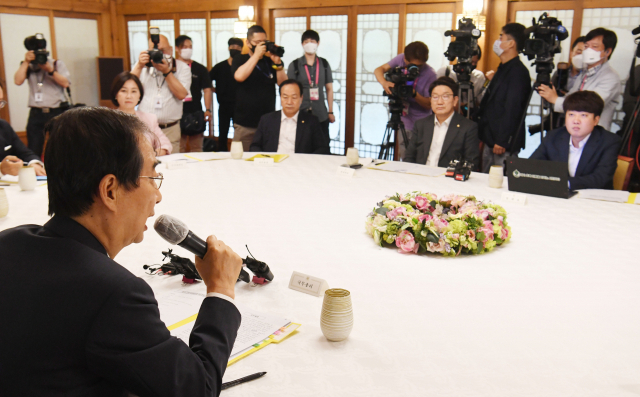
(314,92)
(269,76)
(39,97)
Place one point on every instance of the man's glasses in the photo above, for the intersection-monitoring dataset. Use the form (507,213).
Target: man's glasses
(159,178)
(445,97)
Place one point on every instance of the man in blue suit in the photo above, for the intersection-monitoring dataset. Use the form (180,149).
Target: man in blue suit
(590,151)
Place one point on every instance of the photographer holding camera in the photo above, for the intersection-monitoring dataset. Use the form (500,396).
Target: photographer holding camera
(257,76)
(418,107)
(47,80)
(477,77)
(166,82)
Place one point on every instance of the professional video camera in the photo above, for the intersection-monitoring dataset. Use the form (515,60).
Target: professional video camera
(548,32)
(463,48)
(155,55)
(274,49)
(38,45)
(402,78)
(460,170)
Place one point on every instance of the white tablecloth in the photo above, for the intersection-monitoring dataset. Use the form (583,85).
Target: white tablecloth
(555,312)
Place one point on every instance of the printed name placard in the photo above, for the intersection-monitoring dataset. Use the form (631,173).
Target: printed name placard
(345,171)
(308,284)
(515,198)
(172,165)
(263,161)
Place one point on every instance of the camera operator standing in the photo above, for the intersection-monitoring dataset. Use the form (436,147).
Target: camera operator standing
(166,83)
(477,77)
(47,80)
(418,107)
(505,100)
(257,77)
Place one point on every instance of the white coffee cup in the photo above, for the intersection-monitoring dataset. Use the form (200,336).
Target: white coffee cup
(27,178)
(496,176)
(236,150)
(4,203)
(352,156)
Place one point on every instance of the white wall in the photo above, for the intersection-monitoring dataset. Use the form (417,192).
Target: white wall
(15,28)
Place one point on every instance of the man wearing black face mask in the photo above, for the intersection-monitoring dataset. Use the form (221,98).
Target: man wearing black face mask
(225,89)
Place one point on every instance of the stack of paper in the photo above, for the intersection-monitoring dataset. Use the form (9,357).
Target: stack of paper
(407,168)
(617,196)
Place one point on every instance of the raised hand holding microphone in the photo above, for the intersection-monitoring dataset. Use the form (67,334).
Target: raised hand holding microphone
(219,268)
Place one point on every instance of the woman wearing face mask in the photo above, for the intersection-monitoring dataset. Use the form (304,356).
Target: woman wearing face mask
(126,93)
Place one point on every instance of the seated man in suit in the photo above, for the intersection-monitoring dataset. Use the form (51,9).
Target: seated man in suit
(590,151)
(290,130)
(13,153)
(445,135)
(83,325)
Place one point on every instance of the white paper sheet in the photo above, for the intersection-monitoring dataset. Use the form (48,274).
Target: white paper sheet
(176,157)
(208,156)
(408,168)
(617,196)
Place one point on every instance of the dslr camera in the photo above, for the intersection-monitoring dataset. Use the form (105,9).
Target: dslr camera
(155,55)
(463,48)
(548,32)
(38,45)
(403,79)
(274,49)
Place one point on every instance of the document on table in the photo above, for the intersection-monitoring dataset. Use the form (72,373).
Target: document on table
(208,156)
(408,168)
(178,310)
(617,196)
(176,157)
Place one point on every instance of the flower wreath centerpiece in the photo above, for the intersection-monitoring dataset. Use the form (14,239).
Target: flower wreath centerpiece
(420,222)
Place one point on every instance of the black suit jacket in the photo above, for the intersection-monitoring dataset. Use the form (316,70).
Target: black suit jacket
(598,161)
(503,105)
(461,141)
(75,323)
(8,137)
(310,138)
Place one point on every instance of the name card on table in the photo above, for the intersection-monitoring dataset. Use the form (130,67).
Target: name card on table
(308,284)
(345,171)
(172,165)
(515,198)
(264,161)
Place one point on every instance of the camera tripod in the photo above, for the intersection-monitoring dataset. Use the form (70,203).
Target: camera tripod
(463,74)
(543,70)
(394,125)
(635,91)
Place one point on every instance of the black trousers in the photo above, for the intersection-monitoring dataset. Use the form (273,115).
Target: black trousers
(225,114)
(35,127)
(325,126)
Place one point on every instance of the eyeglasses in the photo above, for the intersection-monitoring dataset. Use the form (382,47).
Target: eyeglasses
(445,97)
(160,178)
(3,104)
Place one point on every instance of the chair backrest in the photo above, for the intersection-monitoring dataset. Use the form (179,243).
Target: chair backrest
(623,173)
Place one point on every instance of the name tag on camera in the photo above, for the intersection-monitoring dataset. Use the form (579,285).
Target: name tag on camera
(314,94)
(39,97)
(157,103)
(308,284)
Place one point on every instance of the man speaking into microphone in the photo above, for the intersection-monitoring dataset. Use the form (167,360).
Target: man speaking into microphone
(77,323)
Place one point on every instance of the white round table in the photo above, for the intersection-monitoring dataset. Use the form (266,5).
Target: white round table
(554,312)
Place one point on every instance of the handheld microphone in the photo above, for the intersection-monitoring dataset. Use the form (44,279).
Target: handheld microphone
(176,232)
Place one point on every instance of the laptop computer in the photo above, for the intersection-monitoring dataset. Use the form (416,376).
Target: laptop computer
(547,178)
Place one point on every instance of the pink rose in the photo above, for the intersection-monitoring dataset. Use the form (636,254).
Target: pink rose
(422,203)
(406,242)
(395,212)
(433,247)
(483,214)
(457,201)
(471,234)
(440,223)
(488,233)
(504,233)
(425,217)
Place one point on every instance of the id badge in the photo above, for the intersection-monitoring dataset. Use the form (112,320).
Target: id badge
(39,97)
(405,109)
(157,104)
(314,94)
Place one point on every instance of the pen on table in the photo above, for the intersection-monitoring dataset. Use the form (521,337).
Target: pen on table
(246,379)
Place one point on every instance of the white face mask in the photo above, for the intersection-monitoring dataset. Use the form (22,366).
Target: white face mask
(496,47)
(576,61)
(186,53)
(310,48)
(591,56)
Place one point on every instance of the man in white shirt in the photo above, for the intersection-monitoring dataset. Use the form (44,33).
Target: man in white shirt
(591,152)
(165,85)
(446,135)
(290,130)
(597,75)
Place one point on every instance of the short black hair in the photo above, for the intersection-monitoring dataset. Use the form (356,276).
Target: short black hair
(609,38)
(181,39)
(516,31)
(478,52)
(86,144)
(310,34)
(580,101)
(119,81)
(416,50)
(446,81)
(580,39)
(255,29)
(235,41)
(291,81)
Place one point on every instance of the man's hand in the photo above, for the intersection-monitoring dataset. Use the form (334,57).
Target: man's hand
(207,115)
(163,67)
(260,50)
(48,67)
(548,93)
(489,75)
(10,165)
(161,152)
(332,118)
(387,85)
(144,58)
(497,149)
(275,59)
(219,268)
(39,170)
(29,56)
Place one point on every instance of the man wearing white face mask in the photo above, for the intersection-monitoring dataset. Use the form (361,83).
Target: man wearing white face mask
(165,85)
(315,75)
(597,75)
(193,122)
